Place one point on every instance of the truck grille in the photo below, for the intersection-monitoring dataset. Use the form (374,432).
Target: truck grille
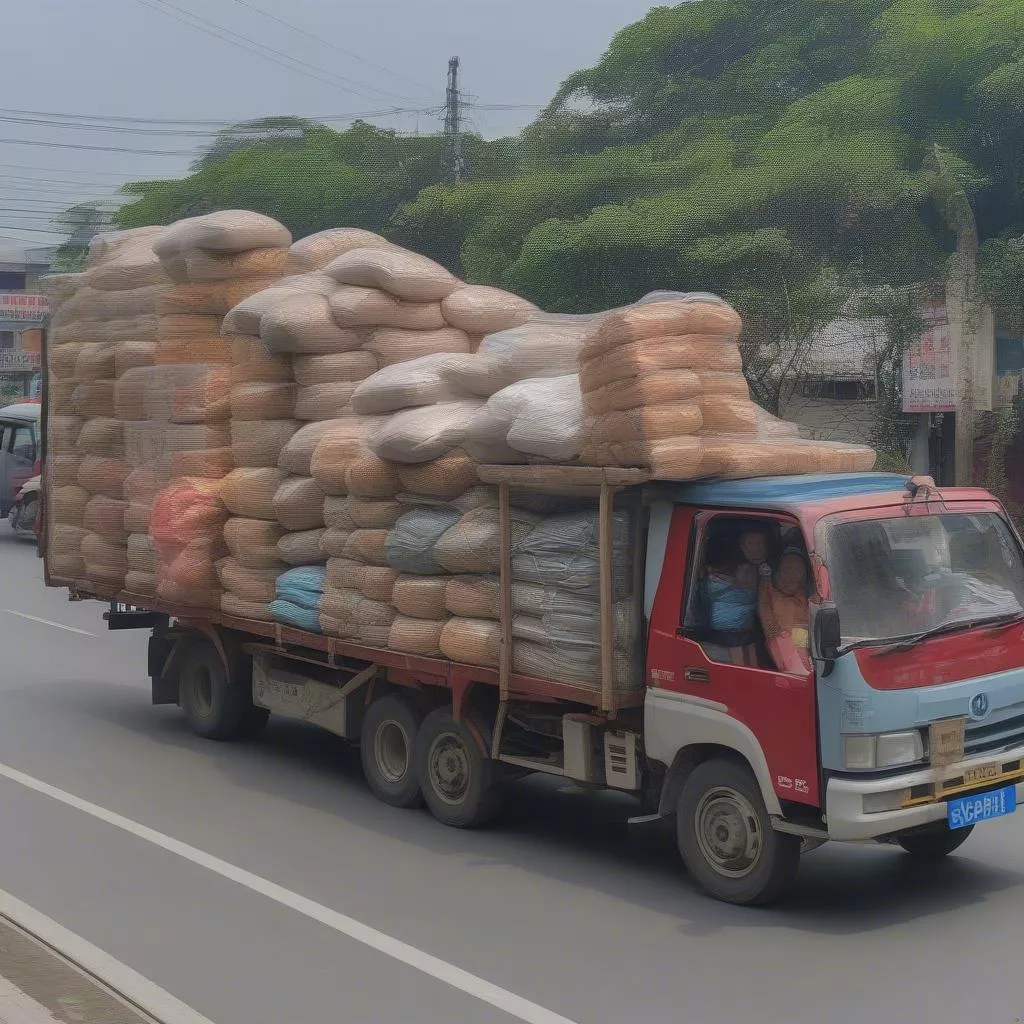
(988,737)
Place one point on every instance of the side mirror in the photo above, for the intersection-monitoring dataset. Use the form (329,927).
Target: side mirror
(827,633)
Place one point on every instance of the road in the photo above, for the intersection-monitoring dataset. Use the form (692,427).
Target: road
(561,904)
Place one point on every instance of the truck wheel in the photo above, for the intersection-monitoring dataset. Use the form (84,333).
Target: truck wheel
(935,843)
(216,706)
(457,781)
(726,838)
(386,745)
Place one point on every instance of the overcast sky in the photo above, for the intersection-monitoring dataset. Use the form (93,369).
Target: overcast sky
(137,59)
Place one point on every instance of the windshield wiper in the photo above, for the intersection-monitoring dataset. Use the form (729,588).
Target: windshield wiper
(991,621)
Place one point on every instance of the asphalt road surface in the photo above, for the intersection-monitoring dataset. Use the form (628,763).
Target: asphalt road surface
(261,883)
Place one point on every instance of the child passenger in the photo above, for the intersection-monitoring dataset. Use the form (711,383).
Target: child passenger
(785,614)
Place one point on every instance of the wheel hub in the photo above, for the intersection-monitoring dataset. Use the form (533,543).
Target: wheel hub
(449,768)
(391,750)
(728,832)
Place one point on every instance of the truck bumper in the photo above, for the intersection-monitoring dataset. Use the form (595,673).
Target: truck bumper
(859,809)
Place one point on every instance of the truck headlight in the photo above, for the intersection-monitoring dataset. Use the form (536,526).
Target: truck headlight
(884,750)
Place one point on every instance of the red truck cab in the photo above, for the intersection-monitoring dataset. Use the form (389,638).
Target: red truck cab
(908,723)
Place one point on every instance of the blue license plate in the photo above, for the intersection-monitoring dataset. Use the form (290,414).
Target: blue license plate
(969,810)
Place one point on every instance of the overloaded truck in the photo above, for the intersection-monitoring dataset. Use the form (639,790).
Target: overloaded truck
(482,541)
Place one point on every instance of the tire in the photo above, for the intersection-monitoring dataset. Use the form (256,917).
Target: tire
(217,706)
(458,782)
(386,749)
(27,516)
(936,842)
(726,837)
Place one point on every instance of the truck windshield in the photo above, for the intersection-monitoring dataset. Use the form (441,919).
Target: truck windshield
(896,578)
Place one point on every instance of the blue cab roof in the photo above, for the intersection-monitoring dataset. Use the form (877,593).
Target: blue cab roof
(785,491)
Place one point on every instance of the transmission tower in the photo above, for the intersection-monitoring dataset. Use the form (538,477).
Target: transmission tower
(454,165)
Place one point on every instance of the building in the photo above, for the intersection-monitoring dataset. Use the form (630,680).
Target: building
(22,312)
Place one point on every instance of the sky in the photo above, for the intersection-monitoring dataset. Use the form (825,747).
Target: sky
(84,64)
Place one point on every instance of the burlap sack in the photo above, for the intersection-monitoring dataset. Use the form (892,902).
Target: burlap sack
(93,399)
(334,452)
(204,398)
(63,359)
(314,252)
(186,326)
(141,553)
(403,274)
(369,546)
(256,585)
(137,516)
(103,438)
(344,573)
(334,543)
(251,363)
(260,443)
(416,636)
(356,308)
(661,387)
(214,463)
(203,265)
(210,298)
(678,458)
(334,368)
(646,423)
(663,353)
(246,317)
(722,415)
(303,325)
(297,454)
(377,582)
(421,435)
(373,513)
(66,540)
(473,544)
(212,350)
(319,402)
(263,401)
(414,382)
(696,315)
(301,547)
(394,345)
(368,476)
(224,231)
(103,476)
(422,597)
(474,597)
(478,309)
(249,493)
(130,354)
(63,432)
(138,581)
(63,470)
(101,550)
(446,478)
(96,362)
(336,514)
(231,604)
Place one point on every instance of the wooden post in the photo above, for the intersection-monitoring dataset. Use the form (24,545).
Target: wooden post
(604,547)
(505,591)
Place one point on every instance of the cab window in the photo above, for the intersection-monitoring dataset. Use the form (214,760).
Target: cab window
(21,443)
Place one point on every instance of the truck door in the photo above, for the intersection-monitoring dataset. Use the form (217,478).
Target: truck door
(709,655)
(21,457)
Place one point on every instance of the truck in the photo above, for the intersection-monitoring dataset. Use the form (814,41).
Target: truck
(907,728)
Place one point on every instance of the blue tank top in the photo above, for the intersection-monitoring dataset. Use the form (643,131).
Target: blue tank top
(731,607)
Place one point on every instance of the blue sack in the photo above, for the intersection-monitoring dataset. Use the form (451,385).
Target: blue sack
(290,614)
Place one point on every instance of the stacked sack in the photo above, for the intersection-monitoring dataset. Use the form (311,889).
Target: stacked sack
(109,321)
(66,500)
(663,388)
(200,384)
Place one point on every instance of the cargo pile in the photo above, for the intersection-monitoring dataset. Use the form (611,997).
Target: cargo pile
(291,433)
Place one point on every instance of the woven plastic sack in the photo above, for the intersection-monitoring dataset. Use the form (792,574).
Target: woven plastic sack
(187,326)
(63,470)
(368,476)
(421,597)
(96,362)
(369,546)
(373,514)
(61,393)
(196,437)
(63,432)
(213,266)
(143,483)
(100,550)
(213,350)
(246,317)
(344,574)
(314,252)
(301,547)
(471,641)
(403,274)
(289,614)
(141,554)
(650,422)
(299,503)
(338,612)
(302,324)
(377,582)
(223,231)
(105,516)
(251,363)
(473,544)
(420,435)
(729,416)
(697,314)
(547,346)
(546,417)
(231,604)
(137,516)
(296,456)
(394,345)
(210,298)
(303,586)
(410,544)
(131,354)
(66,567)
(319,402)
(445,478)
(104,578)
(66,540)
(416,636)
(334,542)
(404,385)
(169,589)
(263,401)
(654,354)
(373,621)
(256,585)
(103,476)
(62,359)
(336,514)
(474,597)
(479,309)
(187,511)
(356,308)
(205,399)
(672,458)
(334,368)
(260,443)
(138,581)
(213,463)
(333,455)
(253,543)
(662,387)
(249,493)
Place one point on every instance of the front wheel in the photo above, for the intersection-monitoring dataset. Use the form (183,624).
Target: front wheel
(726,838)
(456,778)
(936,842)
(217,703)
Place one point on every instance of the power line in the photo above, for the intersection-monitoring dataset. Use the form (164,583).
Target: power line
(65,170)
(99,149)
(332,45)
(268,52)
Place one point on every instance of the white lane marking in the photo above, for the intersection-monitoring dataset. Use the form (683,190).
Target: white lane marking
(120,978)
(47,622)
(441,970)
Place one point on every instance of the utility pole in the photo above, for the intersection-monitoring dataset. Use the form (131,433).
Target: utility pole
(454,166)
